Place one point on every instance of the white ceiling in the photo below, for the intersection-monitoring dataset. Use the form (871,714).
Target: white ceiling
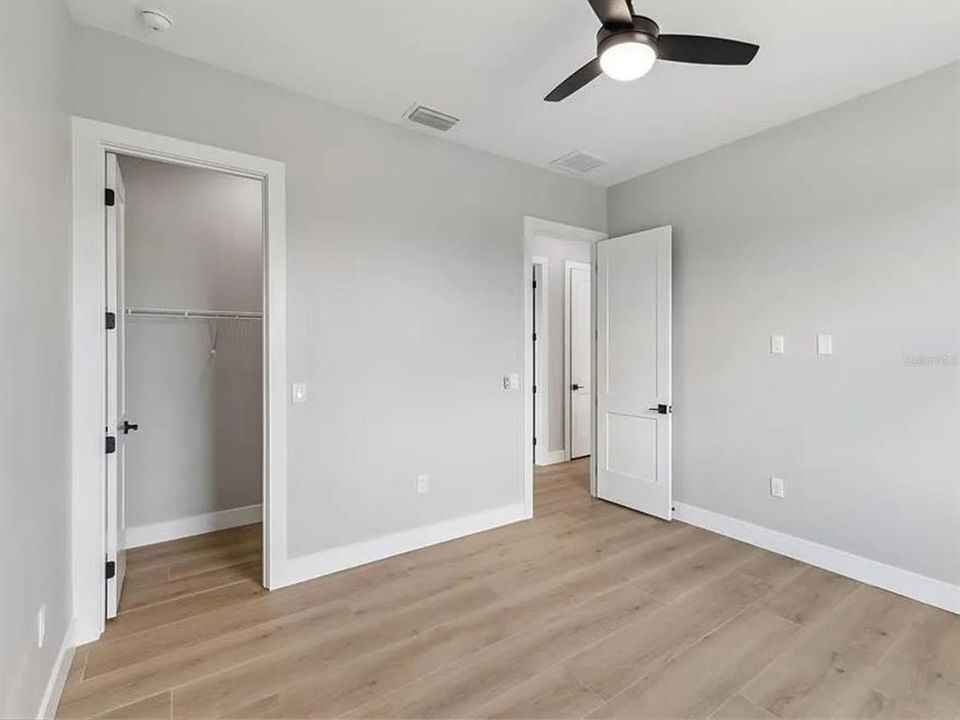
(490,62)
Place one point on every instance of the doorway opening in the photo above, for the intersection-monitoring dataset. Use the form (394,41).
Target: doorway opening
(184,380)
(558,373)
(94,439)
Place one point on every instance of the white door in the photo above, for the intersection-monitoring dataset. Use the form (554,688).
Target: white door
(633,371)
(117,426)
(579,391)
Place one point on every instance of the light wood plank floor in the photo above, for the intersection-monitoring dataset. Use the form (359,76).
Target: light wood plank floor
(588,610)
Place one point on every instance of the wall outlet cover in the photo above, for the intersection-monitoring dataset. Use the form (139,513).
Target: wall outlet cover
(777,487)
(423,484)
(776,344)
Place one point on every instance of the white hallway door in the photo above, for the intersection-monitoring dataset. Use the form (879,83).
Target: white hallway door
(117,425)
(579,390)
(634,371)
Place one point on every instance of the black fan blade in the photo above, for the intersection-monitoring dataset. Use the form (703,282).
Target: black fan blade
(612,12)
(705,50)
(576,81)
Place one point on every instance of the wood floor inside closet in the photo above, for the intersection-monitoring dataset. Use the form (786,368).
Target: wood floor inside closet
(589,609)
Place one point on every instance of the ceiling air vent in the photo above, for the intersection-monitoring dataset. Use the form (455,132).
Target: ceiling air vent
(433,119)
(579,162)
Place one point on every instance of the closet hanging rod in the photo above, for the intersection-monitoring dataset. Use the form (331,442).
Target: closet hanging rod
(193,314)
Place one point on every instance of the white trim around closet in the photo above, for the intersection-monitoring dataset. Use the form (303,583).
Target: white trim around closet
(92,140)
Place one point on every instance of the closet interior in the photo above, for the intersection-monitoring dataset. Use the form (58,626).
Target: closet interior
(193,379)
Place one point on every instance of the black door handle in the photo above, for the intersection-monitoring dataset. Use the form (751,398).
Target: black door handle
(128,427)
(576,387)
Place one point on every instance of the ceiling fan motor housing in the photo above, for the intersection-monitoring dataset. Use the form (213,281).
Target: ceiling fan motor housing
(628,46)
(644,30)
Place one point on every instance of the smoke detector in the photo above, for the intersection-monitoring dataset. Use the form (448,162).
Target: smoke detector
(428,117)
(155,20)
(579,162)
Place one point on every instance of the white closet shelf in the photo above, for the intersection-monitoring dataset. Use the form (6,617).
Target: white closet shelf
(191,314)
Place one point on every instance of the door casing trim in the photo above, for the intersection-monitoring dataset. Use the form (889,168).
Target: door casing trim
(91,141)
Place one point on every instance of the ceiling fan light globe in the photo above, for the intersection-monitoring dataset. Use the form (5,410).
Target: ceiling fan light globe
(628,59)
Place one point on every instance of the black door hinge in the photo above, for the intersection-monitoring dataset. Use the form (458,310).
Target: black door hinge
(534,442)
(534,389)
(111,569)
(534,284)
(534,337)
(110,446)
(109,197)
(110,321)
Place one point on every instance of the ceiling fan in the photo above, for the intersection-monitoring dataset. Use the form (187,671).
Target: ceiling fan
(629,44)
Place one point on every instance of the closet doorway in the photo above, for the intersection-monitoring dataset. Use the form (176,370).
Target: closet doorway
(185,380)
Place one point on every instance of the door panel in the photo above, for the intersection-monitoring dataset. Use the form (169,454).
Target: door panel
(633,371)
(116,396)
(631,304)
(632,442)
(539,372)
(580,391)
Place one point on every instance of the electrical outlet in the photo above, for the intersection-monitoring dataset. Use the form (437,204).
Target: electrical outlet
(41,625)
(824,344)
(776,344)
(423,484)
(777,488)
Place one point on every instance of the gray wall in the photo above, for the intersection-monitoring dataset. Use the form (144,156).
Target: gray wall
(556,251)
(404,287)
(193,240)
(846,222)
(34,347)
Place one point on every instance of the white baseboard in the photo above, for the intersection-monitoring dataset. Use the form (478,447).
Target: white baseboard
(58,677)
(192,525)
(334,560)
(552,457)
(897,580)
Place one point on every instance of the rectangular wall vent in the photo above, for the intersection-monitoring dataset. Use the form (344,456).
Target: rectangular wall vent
(433,119)
(579,162)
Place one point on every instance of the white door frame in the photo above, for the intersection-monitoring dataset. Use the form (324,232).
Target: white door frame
(91,142)
(534,227)
(568,266)
(542,429)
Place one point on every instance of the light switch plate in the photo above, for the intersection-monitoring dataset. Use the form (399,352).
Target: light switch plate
(776,344)
(824,345)
(41,625)
(777,488)
(299,393)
